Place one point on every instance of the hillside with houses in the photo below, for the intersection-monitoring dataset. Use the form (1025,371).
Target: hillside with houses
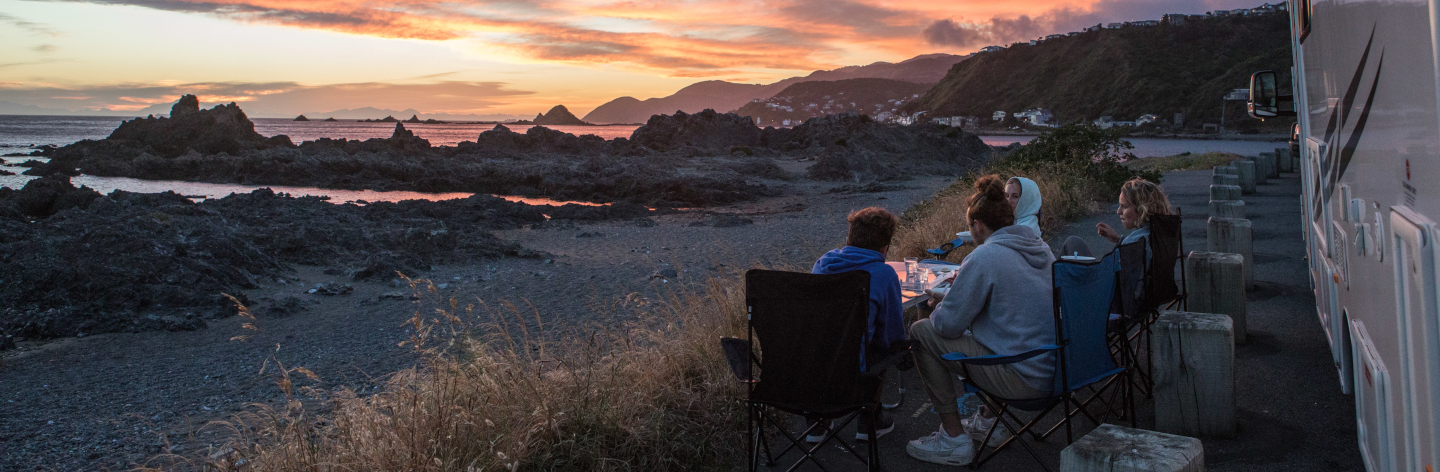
(1179,71)
(879,98)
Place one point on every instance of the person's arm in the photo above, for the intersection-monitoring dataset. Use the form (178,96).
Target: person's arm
(1107,232)
(968,296)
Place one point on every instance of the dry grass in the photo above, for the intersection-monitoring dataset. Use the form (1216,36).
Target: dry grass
(493,395)
(1183,161)
(1065,195)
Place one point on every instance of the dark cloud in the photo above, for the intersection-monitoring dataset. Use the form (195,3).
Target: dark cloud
(866,19)
(1003,31)
(32,27)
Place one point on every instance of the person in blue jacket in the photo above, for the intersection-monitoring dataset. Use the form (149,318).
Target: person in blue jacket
(866,247)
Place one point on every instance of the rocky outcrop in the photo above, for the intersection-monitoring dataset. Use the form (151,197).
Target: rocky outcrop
(559,116)
(706,130)
(301,118)
(74,261)
(331,119)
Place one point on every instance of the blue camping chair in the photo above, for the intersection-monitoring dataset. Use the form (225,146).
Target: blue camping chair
(1083,292)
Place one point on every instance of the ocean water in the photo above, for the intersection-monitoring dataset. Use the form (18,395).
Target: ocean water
(19,132)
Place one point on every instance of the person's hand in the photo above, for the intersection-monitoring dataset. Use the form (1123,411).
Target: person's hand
(1108,233)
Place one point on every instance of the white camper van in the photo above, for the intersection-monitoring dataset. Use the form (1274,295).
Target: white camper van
(1365,86)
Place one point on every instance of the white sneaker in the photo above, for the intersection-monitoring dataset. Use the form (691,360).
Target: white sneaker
(817,434)
(941,448)
(978,425)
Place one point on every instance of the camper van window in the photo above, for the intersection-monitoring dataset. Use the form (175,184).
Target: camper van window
(1302,15)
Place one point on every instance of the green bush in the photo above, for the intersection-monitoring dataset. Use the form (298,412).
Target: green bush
(1099,152)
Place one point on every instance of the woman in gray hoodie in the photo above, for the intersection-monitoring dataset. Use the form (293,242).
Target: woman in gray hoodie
(1000,302)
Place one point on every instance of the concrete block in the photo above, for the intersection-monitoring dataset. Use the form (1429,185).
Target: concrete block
(1272,170)
(1225,179)
(1227,209)
(1194,374)
(1283,160)
(1224,192)
(1214,283)
(1260,177)
(1246,171)
(1111,448)
(1234,236)
(1226,170)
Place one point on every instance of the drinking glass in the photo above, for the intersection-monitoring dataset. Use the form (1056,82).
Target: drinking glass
(912,272)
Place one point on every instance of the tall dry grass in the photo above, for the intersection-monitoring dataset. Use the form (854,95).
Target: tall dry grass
(493,394)
(1066,194)
(1183,161)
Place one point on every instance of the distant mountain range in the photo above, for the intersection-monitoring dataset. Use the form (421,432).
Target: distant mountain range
(1123,73)
(805,100)
(724,96)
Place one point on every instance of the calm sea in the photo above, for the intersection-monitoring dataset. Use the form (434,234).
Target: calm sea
(19,133)
(26,131)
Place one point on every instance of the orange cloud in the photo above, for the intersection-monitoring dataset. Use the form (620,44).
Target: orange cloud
(690,38)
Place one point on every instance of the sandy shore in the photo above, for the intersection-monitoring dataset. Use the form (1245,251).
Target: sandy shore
(113,401)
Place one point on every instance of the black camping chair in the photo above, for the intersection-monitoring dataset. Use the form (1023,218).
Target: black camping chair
(1083,293)
(812,330)
(1160,291)
(1128,321)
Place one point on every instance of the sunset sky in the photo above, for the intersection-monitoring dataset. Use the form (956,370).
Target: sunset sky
(282,58)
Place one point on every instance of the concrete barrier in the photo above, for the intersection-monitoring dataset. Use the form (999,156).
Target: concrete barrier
(1225,179)
(1214,283)
(1234,236)
(1283,162)
(1111,448)
(1194,374)
(1246,171)
(1226,170)
(1227,209)
(1224,192)
(1272,165)
(1261,177)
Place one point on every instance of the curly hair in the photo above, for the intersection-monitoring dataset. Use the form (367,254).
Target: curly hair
(871,228)
(988,204)
(1147,197)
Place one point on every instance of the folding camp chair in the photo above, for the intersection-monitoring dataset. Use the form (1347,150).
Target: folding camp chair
(1083,292)
(811,330)
(1160,289)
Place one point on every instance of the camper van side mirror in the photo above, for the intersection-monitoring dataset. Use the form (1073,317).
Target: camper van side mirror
(1265,98)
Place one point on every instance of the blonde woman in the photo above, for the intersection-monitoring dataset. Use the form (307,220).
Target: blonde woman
(1139,200)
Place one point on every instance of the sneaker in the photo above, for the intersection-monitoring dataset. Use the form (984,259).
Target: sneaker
(818,434)
(978,425)
(885,425)
(941,448)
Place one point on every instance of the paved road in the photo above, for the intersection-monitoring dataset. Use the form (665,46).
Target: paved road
(1291,413)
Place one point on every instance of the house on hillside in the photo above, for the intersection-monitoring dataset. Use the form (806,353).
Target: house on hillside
(1114,25)
(1240,11)
(1174,19)
(1145,23)
(1054,36)
(1035,116)
(998,116)
(1073,33)
(1093,28)
(1146,119)
(1033,42)
(991,48)
(1219,13)
(1104,122)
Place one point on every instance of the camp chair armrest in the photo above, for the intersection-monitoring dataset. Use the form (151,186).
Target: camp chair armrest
(999,359)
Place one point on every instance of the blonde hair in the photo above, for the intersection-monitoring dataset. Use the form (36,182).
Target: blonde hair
(1147,197)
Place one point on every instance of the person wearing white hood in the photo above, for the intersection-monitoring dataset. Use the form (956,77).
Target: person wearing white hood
(1024,195)
(1000,302)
